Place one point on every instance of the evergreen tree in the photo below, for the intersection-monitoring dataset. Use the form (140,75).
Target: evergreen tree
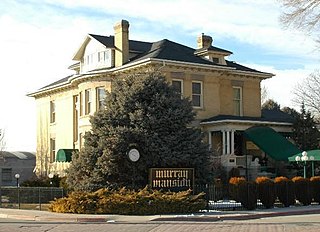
(145,112)
(305,133)
(270,104)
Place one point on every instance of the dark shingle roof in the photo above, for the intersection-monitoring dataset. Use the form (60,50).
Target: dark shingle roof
(168,50)
(108,41)
(165,50)
(61,81)
(267,115)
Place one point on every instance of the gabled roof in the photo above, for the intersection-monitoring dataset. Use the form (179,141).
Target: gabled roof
(108,41)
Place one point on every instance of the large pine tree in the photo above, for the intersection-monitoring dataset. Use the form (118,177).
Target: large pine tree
(145,112)
(305,133)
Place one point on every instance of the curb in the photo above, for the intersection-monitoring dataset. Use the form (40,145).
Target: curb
(160,218)
(237,217)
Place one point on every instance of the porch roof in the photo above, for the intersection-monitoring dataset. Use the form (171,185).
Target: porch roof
(271,142)
(267,115)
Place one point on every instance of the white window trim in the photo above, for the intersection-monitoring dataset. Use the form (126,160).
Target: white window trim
(88,102)
(97,96)
(241,99)
(52,112)
(53,147)
(201,94)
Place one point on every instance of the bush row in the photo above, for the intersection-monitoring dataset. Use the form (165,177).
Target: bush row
(130,202)
(287,191)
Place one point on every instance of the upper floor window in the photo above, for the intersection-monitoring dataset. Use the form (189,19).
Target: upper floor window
(215,60)
(101,95)
(197,93)
(178,86)
(52,149)
(80,103)
(237,101)
(103,56)
(89,59)
(87,101)
(52,112)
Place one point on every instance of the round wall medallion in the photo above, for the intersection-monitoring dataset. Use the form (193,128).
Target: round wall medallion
(134,155)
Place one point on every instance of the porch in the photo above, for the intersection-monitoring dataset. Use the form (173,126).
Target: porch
(255,146)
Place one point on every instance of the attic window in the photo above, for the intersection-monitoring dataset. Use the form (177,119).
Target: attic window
(215,60)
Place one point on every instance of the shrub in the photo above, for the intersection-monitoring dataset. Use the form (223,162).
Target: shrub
(243,192)
(315,188)
(234,183)
(234,172)
(129,202)
(302,190)
(266,191)
(284,190)
(44,181)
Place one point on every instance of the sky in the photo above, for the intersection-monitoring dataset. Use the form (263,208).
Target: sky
(39,37)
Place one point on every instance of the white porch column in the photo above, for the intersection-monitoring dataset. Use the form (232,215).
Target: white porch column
(210,140)
(232,141)
(223,142)
(228,142)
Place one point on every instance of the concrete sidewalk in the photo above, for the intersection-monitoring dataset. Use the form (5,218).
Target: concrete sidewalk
(35,215)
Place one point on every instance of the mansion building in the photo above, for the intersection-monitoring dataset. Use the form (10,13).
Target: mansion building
(225,95)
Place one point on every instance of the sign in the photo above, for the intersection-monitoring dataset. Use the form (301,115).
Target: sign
(173,179)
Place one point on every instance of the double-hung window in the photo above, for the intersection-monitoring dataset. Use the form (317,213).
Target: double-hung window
(197,94)
(88,101)
(52,149)
(52,112)
(237,101)
(178,86)
(101,95)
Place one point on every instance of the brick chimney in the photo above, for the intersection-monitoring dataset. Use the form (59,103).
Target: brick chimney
(121,42)
(204,41)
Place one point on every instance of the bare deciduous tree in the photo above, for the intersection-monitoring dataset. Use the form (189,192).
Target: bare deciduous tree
(264,94)
(302,14)
(2,140)
(308,92)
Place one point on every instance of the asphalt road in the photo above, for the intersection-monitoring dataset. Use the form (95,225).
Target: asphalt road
(299,223)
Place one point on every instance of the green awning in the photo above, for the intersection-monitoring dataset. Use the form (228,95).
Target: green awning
(314,153)
(64,155)
(271,142)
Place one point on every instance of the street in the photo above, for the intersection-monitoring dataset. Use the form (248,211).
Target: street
(299,223)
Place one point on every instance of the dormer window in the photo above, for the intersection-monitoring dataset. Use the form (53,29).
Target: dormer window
(95,56)
(104,56)
(215,60)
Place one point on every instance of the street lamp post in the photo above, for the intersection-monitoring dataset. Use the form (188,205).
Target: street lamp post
(50,177)
(304,158)
(17,176)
